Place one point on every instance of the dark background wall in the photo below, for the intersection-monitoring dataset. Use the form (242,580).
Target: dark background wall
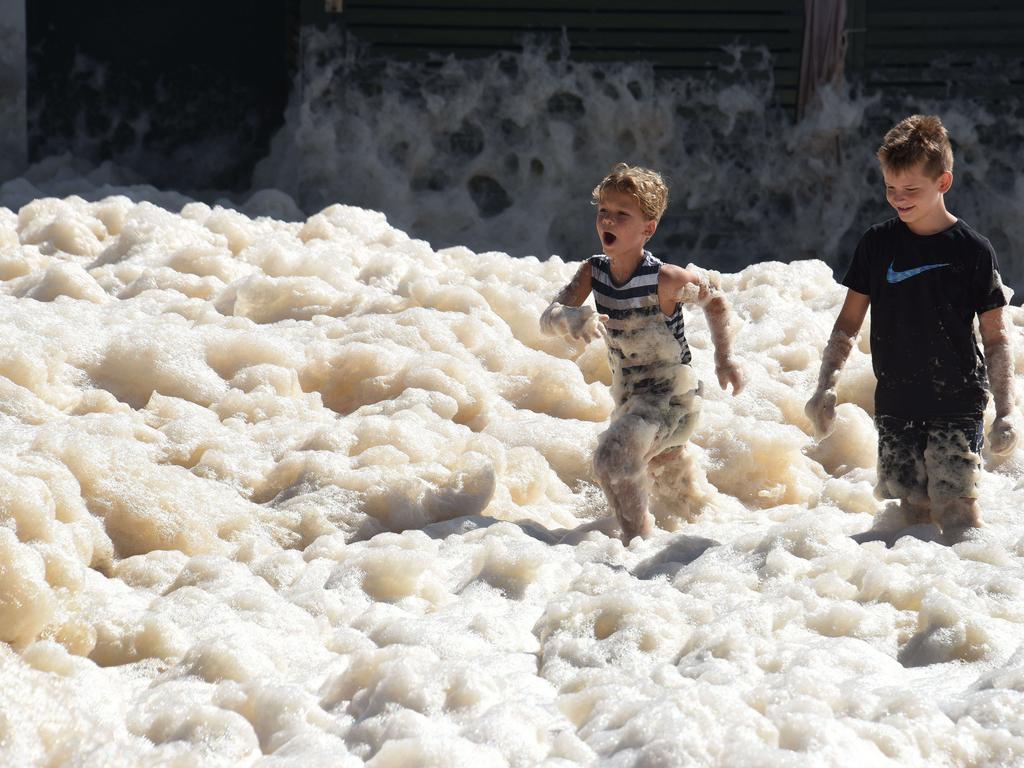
(891,43)
(187,93)
(679,38)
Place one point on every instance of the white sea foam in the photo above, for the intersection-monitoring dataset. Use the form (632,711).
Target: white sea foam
(314,493)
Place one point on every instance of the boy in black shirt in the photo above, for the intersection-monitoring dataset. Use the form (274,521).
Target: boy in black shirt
(925,274)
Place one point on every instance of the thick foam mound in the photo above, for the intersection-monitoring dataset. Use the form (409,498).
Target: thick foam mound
(316,494)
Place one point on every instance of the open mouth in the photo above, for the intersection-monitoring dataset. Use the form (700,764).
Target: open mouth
(608,238)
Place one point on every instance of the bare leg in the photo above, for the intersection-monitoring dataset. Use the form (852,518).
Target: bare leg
(679,487)
(916,512)
(619,465)
(957,516)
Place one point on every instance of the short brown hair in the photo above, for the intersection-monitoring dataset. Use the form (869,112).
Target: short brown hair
(915,139)
(647,186)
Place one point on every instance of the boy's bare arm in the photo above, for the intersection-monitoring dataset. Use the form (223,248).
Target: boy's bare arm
(696,286)
(566,317)
(1002,437)
(821,408)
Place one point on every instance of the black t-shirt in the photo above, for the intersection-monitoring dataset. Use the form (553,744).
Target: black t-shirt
(925,292)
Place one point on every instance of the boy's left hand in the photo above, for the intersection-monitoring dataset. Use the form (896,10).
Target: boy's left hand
(729,372)
(1002,437)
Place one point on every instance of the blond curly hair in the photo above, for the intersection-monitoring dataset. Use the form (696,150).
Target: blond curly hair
(647,186)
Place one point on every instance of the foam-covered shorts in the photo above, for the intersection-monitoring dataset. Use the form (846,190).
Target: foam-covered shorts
(928,459)
(670,417)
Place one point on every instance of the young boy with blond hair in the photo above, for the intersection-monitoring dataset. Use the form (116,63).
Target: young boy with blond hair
(925,275)
(639,314)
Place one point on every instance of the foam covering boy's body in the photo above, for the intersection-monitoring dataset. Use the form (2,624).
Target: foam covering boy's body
(639,313)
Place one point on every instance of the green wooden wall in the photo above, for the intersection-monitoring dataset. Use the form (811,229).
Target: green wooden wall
(894,43)
(678,38)
(890,42)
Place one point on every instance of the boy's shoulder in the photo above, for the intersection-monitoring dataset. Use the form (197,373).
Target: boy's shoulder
(971,239)
(960,235)
(882,229)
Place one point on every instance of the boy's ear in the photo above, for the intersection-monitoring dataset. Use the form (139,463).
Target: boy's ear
(650,227)
(945,182)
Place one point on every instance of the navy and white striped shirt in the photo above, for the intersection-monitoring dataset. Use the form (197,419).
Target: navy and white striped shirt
(645,346)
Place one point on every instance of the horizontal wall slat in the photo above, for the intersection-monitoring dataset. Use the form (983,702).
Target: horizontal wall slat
(885,19)
(920,57)
(433,36)
(952,38)
(596,6)
(939,7)
(558,18)
(693,60)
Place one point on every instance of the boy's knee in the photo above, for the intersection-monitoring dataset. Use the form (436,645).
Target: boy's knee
(619,453)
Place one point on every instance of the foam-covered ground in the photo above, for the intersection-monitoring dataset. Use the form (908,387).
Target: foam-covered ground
(315,494)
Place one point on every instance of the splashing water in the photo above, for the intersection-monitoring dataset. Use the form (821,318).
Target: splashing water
(501,153)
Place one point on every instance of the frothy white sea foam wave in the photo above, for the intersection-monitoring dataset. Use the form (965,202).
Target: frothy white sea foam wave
(313,493)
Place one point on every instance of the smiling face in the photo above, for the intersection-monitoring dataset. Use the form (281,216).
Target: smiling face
(918,198)
(621,225)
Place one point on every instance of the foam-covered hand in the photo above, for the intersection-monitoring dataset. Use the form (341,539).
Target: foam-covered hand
(1002,437)
(729,372)
(582,323)
(821,410)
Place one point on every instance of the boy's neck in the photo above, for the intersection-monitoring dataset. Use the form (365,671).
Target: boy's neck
(624,264)
(937,221)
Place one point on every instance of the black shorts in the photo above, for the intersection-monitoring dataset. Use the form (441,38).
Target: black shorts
(929,459)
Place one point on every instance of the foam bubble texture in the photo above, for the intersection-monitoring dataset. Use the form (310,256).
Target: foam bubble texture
(314,493)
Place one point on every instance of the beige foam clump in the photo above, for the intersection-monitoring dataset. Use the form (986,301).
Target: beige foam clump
(336,222)
(167,279)
(853,443)
(61,226)
(761,464)
(27,603)
(40,368)
(158,358)
(206,260)
(8,228)
(145,506)
(112,212)
(49,527)
(152,571)
(18,262)
(270,299)
(66,279)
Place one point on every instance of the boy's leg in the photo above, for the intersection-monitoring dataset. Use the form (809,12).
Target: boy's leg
(915,513)
(619,462)
(679,487)
(953,461)
(901,466)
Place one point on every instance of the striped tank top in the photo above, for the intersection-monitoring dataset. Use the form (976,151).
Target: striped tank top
(645,346)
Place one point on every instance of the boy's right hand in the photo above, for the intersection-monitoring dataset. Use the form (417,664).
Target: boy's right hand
(584,323)
(821,410)
(1002,437)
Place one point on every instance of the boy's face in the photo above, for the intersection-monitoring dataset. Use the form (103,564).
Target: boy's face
(916,196)
(621,224)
